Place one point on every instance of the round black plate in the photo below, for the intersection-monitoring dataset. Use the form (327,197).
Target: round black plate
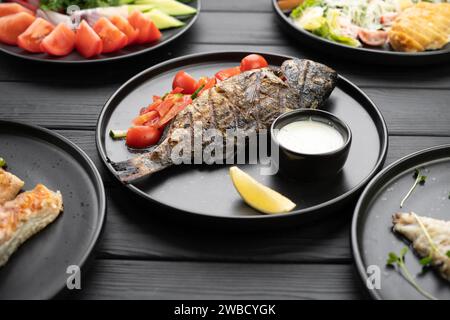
(365,54)
(168,36)
(207,190)
(372,236)
(37,270)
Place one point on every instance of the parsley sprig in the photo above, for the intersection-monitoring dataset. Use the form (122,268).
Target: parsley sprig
(399,261)
(420,180)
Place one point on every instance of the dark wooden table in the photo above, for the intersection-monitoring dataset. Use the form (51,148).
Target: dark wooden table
(144,254)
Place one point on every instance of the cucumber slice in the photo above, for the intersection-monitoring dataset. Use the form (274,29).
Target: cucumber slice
(118,134)
(170,7)
(162,20)
(140,7)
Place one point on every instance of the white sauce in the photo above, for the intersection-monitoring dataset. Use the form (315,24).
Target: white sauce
(310,137)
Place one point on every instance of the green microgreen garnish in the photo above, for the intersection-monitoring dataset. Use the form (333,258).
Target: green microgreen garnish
(399,261)
(420,180)
(195,94)
(448,253)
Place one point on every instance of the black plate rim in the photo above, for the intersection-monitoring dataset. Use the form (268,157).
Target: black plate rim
(357,212)
(94,175)
(303,212)
(398,54)
(184,29)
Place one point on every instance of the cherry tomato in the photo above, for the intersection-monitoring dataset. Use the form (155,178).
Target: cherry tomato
(228,73)
(87,42)
(113,39)
(142,136)
(124,26)
(373,38)
(185,81)
(60,41)
(31,39)
(148,32)
(253,61)
(13,25)
(11,8)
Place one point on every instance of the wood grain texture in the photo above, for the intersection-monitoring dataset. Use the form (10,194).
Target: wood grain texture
(116,279)
(237,6)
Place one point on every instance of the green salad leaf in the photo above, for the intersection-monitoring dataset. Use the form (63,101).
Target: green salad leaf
(298,12)
(61,5)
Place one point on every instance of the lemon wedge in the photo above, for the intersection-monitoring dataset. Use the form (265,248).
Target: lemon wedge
(258,195)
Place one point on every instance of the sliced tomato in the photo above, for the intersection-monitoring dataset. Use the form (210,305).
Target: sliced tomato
(373,38)
(177,90)
(113,39)
(123,25)
(227,73)
(180,105)
(13,25)
(31,39)
(253,61)
(142,136)
(185,81)
(151,107)
(60,42)
(7,9)
(211,82)
(165,106)
(146,117)
(148,32)
(87,42)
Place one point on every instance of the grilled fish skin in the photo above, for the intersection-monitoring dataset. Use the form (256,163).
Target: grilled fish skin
(408,225)
(25,216)
(248,102)
(10,186)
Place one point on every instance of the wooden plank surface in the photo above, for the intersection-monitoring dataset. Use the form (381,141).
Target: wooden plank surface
(146,254)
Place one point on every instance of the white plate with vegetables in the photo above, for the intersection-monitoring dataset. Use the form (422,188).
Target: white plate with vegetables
(95,31)
(400,32)
(401,229)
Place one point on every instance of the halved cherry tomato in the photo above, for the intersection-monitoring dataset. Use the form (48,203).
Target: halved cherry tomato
(185,81)
(148,32)
(144,118)
(113,39)
(373,38)
(31,39)
(60,41)
(180,105)
(253,61)
(7,9)
(142,136)
(123,25)
(177,90)
(13,25)
(227,73)
(87,42)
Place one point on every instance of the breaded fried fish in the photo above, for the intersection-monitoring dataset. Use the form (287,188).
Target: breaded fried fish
(25,216)
(430,238)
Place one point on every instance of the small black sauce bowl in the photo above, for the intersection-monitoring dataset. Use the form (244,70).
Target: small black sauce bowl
(305,166)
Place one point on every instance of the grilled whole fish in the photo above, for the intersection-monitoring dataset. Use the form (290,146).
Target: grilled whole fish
(248,102)
(409,225)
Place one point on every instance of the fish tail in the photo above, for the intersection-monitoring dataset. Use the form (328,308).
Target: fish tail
(136,168)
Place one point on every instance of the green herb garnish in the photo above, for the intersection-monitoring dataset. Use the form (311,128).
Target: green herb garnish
(448,253)
(399,261)
(420,179)
(2,163)
(195,94)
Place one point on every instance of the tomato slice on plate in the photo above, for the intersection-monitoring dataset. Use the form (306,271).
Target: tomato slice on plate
(87,42)
(148,32)
(227,73)
(113,39)
(13,25)
(142,136)
(184,81)
(31,39)
(253,61)
(146,117)
(60,42)
(11,8)
(123,25)
(180,105)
